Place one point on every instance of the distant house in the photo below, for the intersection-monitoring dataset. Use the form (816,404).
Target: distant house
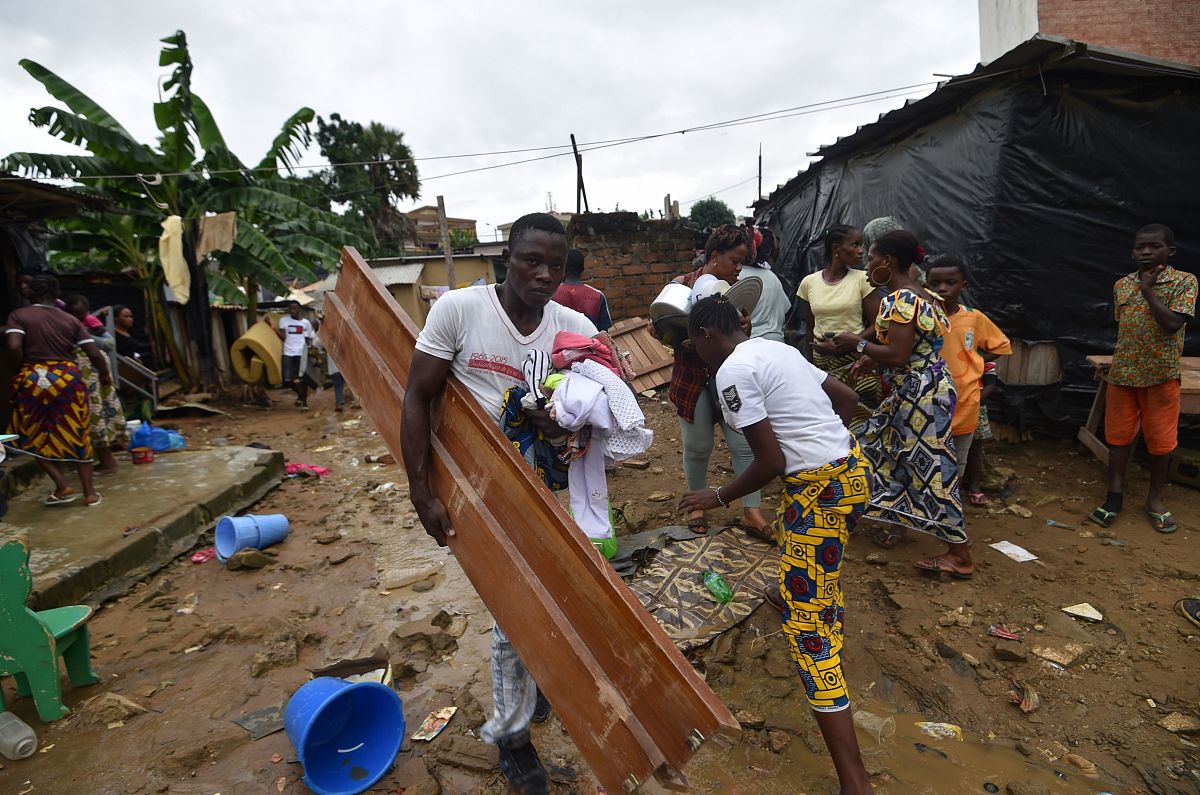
(429,231)
(415,282)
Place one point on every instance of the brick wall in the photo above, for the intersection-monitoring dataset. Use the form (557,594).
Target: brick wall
(1168,29)
(630,259)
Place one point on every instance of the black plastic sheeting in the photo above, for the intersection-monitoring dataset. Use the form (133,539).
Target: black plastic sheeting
(1040,192)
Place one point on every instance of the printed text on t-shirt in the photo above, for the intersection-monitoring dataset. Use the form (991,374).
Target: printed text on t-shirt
(496,364)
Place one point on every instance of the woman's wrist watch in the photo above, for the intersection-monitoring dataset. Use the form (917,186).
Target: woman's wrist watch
(861,346)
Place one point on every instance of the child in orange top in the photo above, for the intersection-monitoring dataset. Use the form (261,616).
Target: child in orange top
(973,339)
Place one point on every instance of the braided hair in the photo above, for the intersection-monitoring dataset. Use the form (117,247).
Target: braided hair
(727,237)
(716,312)
(835,236)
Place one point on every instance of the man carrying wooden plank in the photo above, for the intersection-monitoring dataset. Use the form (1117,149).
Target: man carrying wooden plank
(482,335)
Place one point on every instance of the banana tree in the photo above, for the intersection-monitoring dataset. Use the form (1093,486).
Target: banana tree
(283,233)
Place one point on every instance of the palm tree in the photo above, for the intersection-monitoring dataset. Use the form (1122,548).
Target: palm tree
(284,228)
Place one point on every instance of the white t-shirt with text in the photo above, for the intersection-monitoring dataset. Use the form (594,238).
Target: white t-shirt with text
(469,328)
(764,379)
(296,334)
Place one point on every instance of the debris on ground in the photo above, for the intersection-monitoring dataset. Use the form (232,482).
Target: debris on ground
(249,558)
(434,723)
(1013,551)
(108,708)
(1083,610)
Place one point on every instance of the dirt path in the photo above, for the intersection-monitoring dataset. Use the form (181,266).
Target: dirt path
(199,645)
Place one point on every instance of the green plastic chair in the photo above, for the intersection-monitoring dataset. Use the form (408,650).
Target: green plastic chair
(31,642)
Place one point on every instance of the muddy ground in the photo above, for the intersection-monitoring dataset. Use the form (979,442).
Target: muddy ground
(198,645)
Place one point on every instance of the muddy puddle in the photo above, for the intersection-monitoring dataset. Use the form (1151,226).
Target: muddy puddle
(902,757)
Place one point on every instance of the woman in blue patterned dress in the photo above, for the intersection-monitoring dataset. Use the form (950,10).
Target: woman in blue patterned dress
(908,437)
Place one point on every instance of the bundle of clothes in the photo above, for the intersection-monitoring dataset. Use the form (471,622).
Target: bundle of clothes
(584,383)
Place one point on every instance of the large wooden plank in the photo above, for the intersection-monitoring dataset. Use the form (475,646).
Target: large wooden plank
(632,703)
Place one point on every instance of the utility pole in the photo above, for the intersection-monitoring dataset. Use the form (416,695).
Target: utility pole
(451,281)
(759,196)
(580,190)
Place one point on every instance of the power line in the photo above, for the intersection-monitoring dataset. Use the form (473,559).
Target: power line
(719,192)
(594,146)
(783,113)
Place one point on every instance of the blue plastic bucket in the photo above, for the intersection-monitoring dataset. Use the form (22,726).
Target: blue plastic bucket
(234,533)
(272,528)
(346,735)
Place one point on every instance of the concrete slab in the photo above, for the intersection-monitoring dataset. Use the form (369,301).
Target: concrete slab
(81,553)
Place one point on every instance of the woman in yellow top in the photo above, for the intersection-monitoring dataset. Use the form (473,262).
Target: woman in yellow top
(839,298)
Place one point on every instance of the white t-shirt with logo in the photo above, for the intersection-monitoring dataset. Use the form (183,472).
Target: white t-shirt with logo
(469,328)
(295,334)
(764,379)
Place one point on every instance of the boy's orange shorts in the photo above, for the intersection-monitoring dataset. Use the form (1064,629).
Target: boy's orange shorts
(1157,408)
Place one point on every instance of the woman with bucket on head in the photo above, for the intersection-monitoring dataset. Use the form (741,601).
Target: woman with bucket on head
(50,400)
(795,419)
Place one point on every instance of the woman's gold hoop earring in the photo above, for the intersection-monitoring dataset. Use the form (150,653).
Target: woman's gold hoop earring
(880,281)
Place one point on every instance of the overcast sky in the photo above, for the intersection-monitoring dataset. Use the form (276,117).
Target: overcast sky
(462,77)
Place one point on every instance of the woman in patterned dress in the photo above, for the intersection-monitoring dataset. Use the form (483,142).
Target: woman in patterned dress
(104,407)
(50,408)
(908,437)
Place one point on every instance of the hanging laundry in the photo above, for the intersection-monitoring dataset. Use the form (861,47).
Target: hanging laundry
(217,233)
(170,254)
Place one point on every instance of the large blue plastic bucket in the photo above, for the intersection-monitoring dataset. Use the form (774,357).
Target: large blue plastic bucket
(346,734)
(272,528)
(241,532)
(234,533)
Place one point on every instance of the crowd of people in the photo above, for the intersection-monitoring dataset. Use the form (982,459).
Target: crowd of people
(897,338)
(876,417)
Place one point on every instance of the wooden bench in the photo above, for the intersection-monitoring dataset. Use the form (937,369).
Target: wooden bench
(1091,434)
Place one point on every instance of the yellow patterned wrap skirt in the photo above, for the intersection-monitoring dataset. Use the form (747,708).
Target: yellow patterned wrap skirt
(819,510)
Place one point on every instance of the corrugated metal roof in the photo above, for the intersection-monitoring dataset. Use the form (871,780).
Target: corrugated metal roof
(399,274)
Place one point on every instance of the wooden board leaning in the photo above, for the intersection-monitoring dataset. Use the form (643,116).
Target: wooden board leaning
(631,702)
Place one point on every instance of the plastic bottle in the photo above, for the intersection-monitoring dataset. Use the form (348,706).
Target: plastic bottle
(17,740)
(717,586)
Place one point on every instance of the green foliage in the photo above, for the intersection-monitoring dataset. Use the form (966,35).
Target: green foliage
(373,170)
(286,228)
(711,212)
(462,238)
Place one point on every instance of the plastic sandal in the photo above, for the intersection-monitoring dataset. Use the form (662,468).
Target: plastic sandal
(1103,517)
(1163,522)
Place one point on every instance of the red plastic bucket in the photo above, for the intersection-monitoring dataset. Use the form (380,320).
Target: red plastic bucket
(142,455)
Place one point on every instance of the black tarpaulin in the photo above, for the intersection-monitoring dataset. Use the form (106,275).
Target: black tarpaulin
(1036,170)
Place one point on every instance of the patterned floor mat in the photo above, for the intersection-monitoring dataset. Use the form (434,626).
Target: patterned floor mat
(672,590)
